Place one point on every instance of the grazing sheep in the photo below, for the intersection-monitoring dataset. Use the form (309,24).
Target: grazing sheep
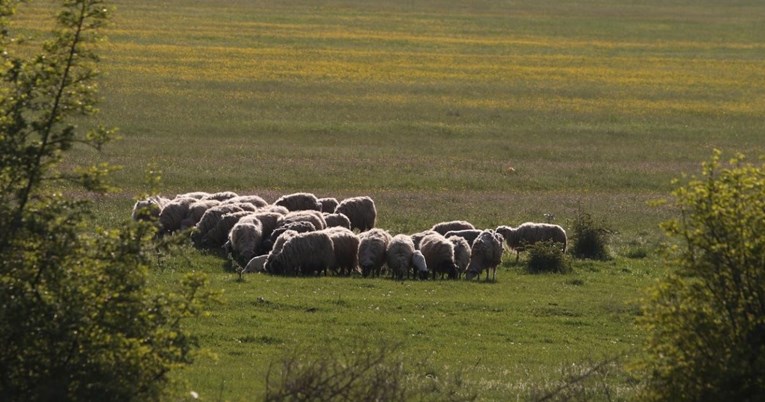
(439,255)
(346,244)
(245,206)
(268,220)
(360,211)
(174,213)
(485,255)
(420,265)
(148,209)
(197,195)
(444,227)
(337,220)
(399,255)
(256,265)
(297,226)
(372,247)
(209,220)
(468,234)
(299,202)
(196,210)
(217,236)
(281,240)
(221,196)
(461,253)
(255,200)
(305,253)
(530,233)
(417,237)
(275,209)
(244,240)
(315,217)
(328,204)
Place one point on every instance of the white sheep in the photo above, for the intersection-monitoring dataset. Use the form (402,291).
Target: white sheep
(360,211)
(209,220)
(444,227)
(220,196)
(148,209)
(468,234)
(372,247)
(315,217)
(486,255)
(439,255)
(462,251)
(244,240)
(196,210)
(417,237)
(337,220)
(346,244)
(420,265)
(328,204)
(304,253)
(277,209)
(255,200)
(217,236)
(399,256)
(530,233)
(196,194)
(299,202)
(256,265)
(173,214)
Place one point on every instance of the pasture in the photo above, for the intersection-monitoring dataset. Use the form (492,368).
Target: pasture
(491,112)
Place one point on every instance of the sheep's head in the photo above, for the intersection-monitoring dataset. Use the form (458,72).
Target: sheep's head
(508,234)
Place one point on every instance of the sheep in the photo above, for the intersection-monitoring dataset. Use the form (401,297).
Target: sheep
(315,217)
(196,210)
(221,196)
(337,220)
(399,255)
(256,265)
(486,255)
(197,195)
(360,211)
(268,220)
(328,204)
(530,233)
(468,234)
(462,252)
(217,236)
(299,202)
(148,209)
(174,213)
(346,244)
(255,200)
(420,265)
(245,206)
(297,226)
(417,237)
(209,220)
(439,255)
(304,253)
(281,240)
(444,227)
(244,240)
(372,247)
(278,209)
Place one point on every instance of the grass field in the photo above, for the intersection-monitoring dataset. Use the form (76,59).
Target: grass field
(493,112)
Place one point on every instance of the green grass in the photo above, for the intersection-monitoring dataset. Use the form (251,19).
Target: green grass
(493,112)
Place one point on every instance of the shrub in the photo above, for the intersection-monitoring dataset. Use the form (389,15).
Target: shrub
(590,238)
(547,257)
(706,320)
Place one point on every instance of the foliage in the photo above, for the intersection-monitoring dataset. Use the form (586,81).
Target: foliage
(79,320)
(547,257)
(589,238)
(706,319)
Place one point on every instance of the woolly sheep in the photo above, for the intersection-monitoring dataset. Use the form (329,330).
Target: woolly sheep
(439,255)
(462,251)
(299,202)
(209,220)
(196,210)
(346,244)
(278,209)
(417,237)
(360,211)
(149,208)
(444,227)
(337,220)
(244,240)
(328,204)
(315,217)
(281,240)
(297,226)
(399,255)
(218,235)
(221,196)
(468,234)
(372,247)
(196,194)
(486,255)
(420,265)
(255,200)
(174,213)
(268,220)
(256,265)
(305,253)
(530,233)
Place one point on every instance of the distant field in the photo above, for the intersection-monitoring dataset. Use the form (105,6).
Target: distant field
(494,112)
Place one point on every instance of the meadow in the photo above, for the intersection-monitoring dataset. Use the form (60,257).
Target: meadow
(492,112)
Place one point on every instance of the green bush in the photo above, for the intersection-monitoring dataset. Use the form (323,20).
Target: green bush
(79,320)
(589,238)
(706,320)
(547,257)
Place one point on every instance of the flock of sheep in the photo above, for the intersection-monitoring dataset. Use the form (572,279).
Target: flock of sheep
(301,234)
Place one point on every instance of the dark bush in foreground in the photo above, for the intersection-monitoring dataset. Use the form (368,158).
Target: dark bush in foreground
(547,257)
(590,238)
